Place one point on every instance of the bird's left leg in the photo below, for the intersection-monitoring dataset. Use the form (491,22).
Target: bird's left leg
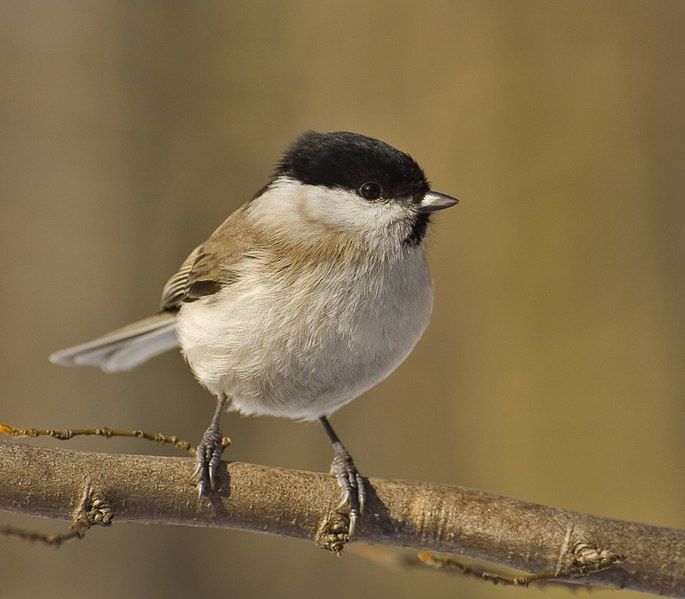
(349,480)
(208,456)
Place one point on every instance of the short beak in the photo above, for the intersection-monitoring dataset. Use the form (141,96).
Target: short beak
(434,201)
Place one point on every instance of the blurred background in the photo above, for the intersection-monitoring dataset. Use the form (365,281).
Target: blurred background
(554,366)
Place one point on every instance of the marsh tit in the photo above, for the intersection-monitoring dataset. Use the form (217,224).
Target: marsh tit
(305,297)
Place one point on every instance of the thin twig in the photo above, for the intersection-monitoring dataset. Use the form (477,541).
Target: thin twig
(449,564)
(76,531)
(65,435)
(91,510)
(581,560)
(398,561)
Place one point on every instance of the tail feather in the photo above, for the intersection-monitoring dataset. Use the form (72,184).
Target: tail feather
(124,348)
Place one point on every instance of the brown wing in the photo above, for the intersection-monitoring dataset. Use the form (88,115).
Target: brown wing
(208,267)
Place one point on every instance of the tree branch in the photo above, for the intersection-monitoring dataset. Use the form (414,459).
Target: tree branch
(535,538)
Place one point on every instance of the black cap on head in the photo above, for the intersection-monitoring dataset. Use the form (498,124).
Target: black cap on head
(348,160)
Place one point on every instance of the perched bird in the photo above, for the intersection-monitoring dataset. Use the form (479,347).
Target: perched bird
(305,297)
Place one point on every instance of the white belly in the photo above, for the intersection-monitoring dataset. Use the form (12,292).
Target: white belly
(302,347)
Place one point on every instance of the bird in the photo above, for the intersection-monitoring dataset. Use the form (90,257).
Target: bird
(305,297)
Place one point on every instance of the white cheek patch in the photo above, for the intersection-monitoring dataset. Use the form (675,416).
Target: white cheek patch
(309,210)
(345,210)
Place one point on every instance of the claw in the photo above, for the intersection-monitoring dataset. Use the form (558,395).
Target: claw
(362,493)
(353,495)
(208,459)
(353,524)
(214,462)
(344,500)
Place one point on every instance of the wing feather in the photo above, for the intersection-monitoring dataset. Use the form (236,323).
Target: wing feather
(207,269)
(174,291)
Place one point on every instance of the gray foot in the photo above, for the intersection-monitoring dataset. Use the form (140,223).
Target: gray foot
(351,483)
(208,458)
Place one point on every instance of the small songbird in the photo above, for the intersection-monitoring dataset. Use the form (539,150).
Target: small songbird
(305,297)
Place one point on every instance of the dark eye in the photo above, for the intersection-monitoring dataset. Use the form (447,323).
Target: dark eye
(370,191)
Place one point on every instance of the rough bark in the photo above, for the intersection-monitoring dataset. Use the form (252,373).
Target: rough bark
(149,489)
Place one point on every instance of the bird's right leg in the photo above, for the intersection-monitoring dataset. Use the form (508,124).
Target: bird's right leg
(208,455)
(349,480)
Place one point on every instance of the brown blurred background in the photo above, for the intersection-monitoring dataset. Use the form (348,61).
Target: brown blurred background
(554,367)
